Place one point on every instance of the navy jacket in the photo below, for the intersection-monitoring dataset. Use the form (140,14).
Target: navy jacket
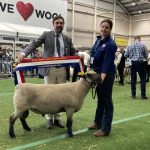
(103,53)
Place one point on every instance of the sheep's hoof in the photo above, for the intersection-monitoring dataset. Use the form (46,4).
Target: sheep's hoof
(12,135)
(27,129)
(70,134)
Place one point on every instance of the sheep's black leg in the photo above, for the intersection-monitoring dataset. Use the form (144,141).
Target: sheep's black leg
(69,128)
(12,120)
(23,121)
(69,114)
(25,114)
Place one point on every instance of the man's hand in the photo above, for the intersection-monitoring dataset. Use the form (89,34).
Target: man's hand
(21,56)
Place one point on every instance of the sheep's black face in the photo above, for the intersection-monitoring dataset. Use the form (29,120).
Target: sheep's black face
(93,78)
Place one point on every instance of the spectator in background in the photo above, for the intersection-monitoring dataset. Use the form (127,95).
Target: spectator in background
(138,53)
(6,60)
(86,58)
(120,64)
(9,54)
(116,63)
(127,70)
(1,58)
(36,54)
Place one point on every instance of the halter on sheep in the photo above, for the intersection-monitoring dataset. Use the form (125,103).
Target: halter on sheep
(28,97)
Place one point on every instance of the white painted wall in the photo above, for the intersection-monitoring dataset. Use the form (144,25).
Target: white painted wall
(84,20)
(83,39)
(122,28)
(141,26)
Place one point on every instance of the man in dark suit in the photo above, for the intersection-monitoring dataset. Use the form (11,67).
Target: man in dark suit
(56,44)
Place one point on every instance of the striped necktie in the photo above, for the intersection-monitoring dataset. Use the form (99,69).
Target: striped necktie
(58,44)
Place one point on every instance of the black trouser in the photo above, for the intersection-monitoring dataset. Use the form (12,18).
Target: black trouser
(1,67)
(75,73)
(121,74)
(139,67)
(104,110)
(147,72)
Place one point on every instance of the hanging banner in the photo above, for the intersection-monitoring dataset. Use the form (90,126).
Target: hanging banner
(39,13)
(121,41)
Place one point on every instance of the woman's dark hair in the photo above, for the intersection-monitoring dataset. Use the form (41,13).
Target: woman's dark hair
(109,22)
(58,17)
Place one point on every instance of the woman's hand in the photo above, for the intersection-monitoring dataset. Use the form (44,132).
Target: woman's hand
(103,76)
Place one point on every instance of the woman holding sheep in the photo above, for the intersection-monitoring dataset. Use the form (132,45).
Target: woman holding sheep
(102,61)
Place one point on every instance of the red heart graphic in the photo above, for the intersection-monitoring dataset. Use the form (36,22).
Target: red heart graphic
(25,10)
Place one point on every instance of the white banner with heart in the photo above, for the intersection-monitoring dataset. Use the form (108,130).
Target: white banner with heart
(37,13)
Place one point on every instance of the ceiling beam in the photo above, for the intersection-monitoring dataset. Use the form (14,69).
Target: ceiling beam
(123,7)
(126,1)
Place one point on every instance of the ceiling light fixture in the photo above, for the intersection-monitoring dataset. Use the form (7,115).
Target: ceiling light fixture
(140,11)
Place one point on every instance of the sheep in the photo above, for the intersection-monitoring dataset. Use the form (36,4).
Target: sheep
(50,99)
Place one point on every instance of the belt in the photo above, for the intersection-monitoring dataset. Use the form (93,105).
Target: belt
(137,61)
(58,67)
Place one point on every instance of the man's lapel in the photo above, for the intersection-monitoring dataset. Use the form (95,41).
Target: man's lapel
(52,40)
(65,44)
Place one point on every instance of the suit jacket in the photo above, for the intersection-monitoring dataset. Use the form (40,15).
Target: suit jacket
(48,39)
